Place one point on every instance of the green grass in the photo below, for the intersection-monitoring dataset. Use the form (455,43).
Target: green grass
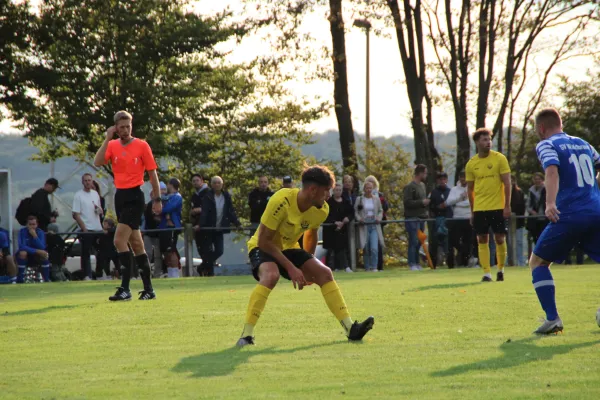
(438,334)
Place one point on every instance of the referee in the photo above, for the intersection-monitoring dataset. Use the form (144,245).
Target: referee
(489,189)
(129,158)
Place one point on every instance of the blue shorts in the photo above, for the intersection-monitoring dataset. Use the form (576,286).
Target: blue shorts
(558,239)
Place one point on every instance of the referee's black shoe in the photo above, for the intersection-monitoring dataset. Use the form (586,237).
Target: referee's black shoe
(500,276)
(147,295)
(121,295)
(359,330)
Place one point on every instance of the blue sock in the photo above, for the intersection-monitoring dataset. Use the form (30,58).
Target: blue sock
(46,273)
(21,274)
(544,287)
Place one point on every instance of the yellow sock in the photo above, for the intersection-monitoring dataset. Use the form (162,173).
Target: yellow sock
(335,301)
(256,305)
(501,255)
(484,257)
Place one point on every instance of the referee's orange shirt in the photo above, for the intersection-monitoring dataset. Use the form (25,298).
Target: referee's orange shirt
(129,162)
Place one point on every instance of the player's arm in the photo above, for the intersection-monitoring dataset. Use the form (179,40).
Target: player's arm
(551,193)
(507,193)
(266,243)
(311,238)
(101,158)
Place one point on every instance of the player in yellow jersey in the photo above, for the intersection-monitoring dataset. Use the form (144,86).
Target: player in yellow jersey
(274,251)
(488,183)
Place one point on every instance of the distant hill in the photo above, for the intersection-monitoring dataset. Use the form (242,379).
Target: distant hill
(28,176)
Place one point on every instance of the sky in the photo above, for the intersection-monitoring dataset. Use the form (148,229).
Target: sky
(390,110)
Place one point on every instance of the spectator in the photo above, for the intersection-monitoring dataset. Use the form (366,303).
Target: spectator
(7,262)
(518,207)
(152,239)
(40,204)
(102,200)
(369,213)
(200,190)
(257,200)
(385,206)
(217,212)
(32,250)
(86,212)
(537,207)
(56,253)
(171,218)
(441,211)
(350,192)
(335,238)
(107,251)
(460,230)
(415,210)
(287,182)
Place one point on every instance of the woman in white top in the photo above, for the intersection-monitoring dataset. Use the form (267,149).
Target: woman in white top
(369,214)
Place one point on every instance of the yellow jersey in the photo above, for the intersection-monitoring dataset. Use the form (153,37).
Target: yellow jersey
(489,188)
(283,217)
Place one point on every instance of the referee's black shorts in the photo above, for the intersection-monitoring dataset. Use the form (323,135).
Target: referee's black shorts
(297,256)
(129,205)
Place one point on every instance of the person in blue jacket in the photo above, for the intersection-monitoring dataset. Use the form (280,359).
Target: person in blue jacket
(171,218)
(32,250)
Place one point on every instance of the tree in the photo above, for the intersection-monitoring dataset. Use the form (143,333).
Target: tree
(581,115)
(15,22)
(340,92)
(408,25)
(159,62)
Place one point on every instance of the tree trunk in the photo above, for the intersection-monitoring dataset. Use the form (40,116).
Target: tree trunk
(340,93)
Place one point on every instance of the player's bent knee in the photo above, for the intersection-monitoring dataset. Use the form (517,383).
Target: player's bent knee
(535,261)
(269,275)
(500,239)
(483,239)
(22,255)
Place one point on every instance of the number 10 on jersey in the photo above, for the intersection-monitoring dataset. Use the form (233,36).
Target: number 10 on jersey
(584,169)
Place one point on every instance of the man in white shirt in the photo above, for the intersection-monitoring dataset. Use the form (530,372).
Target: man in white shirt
(461,231)
(86,212)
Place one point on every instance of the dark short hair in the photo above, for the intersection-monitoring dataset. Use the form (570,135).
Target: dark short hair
(539,175)
(420,168)
(53,182)
(441,175)
(482,132)
(318,175)
(175,183)
(31,218)
(549,117)
(199,176)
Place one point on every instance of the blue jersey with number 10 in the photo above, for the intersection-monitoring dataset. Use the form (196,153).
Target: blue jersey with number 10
(576,160)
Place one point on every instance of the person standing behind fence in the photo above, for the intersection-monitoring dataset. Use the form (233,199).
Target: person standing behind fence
(441,211)
(152,239)
(257,200)
(335,237)
(87,211)
(460,230)
(171,219)
(107,251)
(40,204)
(536,206)
(385,206)
(488,180)
(517,205)
(102,200)
(200,190)
(217,212)
(130,158)
(415,210)
(369,213)
(350,193)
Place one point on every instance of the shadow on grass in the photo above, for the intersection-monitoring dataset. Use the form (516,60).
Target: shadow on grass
(224,362)
(38,310)
(443,286)
(516,353)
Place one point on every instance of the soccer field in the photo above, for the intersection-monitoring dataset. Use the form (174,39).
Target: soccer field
(438,334)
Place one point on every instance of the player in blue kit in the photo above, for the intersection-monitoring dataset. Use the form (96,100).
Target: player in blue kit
(572,206)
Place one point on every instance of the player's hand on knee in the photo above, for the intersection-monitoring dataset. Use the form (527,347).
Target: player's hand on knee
(297,278)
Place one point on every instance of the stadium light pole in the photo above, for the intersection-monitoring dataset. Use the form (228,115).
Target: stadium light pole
(366,25)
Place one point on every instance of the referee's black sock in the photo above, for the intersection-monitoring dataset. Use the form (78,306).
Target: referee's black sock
(126,259)
(144,266)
